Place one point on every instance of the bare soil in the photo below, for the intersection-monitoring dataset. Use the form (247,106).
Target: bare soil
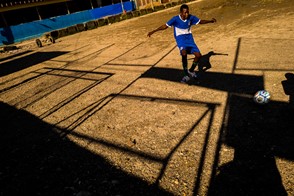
(102,112)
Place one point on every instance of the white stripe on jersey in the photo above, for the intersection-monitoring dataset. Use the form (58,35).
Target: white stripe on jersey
(179,31)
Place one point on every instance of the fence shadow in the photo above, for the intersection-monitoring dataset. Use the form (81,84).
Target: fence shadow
(257,134)
(15,55)
(36,160)
(27,61)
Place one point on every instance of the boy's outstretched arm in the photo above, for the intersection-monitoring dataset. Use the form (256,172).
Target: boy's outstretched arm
(162,27)
(213,20)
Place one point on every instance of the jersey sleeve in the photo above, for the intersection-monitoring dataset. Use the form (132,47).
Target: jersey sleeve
(194,20)
(171,22)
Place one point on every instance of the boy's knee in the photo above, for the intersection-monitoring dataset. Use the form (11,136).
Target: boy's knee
(184,53)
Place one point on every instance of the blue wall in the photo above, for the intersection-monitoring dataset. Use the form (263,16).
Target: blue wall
(18,33)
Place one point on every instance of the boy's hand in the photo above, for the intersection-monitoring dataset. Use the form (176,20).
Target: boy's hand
(149,34)
(213,20)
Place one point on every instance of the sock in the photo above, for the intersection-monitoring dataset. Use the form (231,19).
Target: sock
(185,65)
(194,65)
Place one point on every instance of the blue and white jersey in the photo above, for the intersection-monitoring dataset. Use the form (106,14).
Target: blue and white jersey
(182,30)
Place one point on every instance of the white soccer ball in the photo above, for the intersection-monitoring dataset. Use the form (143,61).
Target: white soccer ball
(262,97)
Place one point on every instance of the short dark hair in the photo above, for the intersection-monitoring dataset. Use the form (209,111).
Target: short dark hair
(184,6)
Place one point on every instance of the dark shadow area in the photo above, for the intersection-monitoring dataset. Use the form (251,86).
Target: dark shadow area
(230,82)
(174,75)
(15,55)
(258,134)
(288,86)
(235,83)
(36,160)
(27,61)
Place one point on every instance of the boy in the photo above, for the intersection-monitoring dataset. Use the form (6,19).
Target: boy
(184,38)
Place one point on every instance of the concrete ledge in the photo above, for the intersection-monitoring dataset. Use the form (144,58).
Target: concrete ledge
(143,12)
(123,17)
(54,34)
(113,19)
(136,13)
(101,22)
(117,18)
(80,27)
(176,3)
(62,32)
(160,7)
(72,30)
(90,25)
(149,10)
(168,5)
(9,48)
(127,15)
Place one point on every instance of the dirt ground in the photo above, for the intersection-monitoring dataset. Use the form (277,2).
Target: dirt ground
(102,112)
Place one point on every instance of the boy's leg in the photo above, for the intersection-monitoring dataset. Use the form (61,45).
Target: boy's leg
(196,60)
(185,62)
(186,77)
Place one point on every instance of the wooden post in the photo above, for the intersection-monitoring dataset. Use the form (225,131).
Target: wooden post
(68,12)
(37,9)
(136,4)
(122,6)
(152,6)
(91,4)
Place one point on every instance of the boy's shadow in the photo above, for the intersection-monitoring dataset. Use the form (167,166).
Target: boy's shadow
(175,75)
(204,61)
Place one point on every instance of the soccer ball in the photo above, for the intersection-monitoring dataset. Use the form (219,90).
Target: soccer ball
(262,97)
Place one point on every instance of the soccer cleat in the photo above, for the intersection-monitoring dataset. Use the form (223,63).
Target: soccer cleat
(192,74)
(185,79)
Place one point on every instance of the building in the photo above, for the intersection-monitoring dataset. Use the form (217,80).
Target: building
(27,19)
(31,10)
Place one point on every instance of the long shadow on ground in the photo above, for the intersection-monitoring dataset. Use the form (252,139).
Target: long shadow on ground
(27,61)
(36,160)
(258,134)
(234,83)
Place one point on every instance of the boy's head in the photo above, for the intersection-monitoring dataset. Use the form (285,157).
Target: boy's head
(184,11)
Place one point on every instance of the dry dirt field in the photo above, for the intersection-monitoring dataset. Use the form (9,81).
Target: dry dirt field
(102,112)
